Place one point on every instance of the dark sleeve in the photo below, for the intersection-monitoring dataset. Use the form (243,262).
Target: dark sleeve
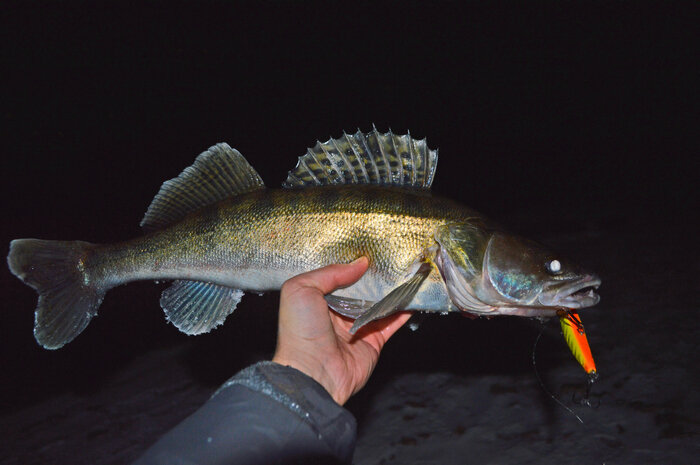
(265,414)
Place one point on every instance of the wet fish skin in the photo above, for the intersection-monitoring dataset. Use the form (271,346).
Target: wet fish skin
(217,231)
(258,240)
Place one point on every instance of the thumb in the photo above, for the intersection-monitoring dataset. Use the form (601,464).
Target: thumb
(327,279)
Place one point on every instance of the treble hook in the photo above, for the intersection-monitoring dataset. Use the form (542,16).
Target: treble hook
(586,400)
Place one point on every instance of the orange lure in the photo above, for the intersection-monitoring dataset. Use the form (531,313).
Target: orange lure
(575,337)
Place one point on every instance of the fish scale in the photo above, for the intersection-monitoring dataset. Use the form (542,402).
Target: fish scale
(276,234)
(218,232)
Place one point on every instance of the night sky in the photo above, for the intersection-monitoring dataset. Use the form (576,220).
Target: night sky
(559,119)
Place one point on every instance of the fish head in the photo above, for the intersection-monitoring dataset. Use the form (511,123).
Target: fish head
(497,273)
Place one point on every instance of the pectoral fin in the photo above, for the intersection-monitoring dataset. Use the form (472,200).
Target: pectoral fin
(348,306)
(396,300)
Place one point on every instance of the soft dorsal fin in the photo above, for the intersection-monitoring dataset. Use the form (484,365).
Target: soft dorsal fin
(370,158)
(218,173)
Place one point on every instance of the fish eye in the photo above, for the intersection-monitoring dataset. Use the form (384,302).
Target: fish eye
(554,266)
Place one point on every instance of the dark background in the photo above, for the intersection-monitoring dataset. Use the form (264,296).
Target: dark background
(567,118)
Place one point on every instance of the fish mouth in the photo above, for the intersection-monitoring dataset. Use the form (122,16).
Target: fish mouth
(580,293)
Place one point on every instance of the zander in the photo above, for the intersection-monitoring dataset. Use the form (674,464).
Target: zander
(217,231)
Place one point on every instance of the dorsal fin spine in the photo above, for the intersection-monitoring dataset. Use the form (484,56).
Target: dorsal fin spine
(318,163)
(396,151)
(331,159)
(345,160)
(385,160)
(401,161)
(301,160)
(372,162)
(357,156)
(424,154)
(341,170)
(366,158)
(410,153)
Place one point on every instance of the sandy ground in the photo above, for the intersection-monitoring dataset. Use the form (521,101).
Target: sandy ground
(455,391)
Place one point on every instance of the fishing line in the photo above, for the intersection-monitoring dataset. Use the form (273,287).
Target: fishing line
(534,366)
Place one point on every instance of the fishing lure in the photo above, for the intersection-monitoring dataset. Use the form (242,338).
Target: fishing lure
(575,336)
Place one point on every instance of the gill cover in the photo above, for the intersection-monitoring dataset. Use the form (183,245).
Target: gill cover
(459,259)
(513,270)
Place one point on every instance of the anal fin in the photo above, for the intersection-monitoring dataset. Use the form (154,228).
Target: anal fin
(196,307)
(396,300)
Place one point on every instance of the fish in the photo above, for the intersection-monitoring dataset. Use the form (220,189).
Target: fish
(217,232)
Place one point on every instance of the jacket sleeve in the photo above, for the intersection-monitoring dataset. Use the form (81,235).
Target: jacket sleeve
(266,414)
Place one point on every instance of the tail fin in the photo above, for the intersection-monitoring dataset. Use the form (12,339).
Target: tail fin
(68,299)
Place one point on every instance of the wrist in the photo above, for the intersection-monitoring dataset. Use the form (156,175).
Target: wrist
(313,369)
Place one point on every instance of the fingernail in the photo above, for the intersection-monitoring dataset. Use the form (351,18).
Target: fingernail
(358,260)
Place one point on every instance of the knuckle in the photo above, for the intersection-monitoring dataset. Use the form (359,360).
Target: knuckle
(290,286)
(294,285)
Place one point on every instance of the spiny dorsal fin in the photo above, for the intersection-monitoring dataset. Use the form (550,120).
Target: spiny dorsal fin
(218,173)
(370,158)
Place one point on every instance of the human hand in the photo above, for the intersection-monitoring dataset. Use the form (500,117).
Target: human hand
(316,341)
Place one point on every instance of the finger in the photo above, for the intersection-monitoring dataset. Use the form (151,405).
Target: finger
(328,278)
(394,323)
(383,328)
